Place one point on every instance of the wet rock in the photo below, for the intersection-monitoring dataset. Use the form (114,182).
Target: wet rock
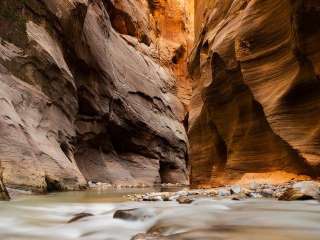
(15,193)
(306,190)
(224,192)
(184,200)
(133,214)
(267,192)
(236,198)
(152,198)
(167,197)
(246,191)
(235,189)
(80,216)
(255,195)
(4,195)
(153,236)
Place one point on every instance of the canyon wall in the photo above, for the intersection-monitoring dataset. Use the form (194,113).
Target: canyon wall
(87,92)
(256,92)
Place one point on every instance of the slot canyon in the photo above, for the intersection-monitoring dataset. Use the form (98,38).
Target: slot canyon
(146,92)
(159,119)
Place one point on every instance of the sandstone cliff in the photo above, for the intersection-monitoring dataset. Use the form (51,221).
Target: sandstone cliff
(85,96)
(256,100)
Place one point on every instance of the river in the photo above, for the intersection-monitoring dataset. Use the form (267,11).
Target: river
(45,217)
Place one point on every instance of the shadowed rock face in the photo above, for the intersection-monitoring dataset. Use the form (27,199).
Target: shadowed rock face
(256,99)
(79,101)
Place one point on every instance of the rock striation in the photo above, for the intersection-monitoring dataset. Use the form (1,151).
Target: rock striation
(256,90)
(84,95)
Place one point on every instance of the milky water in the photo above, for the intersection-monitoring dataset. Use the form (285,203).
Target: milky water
(46,217)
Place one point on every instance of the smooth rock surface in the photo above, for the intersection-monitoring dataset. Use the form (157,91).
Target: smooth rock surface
(256,90)
(133,214)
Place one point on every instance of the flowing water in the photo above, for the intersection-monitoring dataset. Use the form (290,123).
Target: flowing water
(46,217)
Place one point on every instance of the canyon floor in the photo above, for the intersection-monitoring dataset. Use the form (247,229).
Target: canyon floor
(256,211)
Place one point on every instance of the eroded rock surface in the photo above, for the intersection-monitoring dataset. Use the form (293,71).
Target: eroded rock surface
(4,195)
(166,27)
(256,96)
(80,101)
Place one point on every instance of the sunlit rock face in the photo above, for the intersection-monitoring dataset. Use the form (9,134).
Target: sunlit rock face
(166,26)
(84,95)
(256,100)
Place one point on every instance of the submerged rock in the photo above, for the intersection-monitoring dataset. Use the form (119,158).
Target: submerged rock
(133,214)
(153,236)
(80,216)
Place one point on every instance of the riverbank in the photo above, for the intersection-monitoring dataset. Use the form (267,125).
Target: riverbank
(290,191)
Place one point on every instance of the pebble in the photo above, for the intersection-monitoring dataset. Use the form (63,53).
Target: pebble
(235,192)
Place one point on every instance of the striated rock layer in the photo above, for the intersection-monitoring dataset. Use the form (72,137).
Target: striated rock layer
(166,26)
(256,102)
(81,101)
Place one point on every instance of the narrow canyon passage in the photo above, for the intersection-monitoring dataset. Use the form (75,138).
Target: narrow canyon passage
(159,119)
(139,93)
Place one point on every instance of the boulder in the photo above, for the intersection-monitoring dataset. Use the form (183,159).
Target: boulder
(306,190)
(184,200)
(80,216)
(4,195)
(133,214)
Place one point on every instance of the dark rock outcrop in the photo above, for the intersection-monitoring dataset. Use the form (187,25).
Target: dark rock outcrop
(79,101)
(133,214)
(4,195)
(256,96)
(80,216)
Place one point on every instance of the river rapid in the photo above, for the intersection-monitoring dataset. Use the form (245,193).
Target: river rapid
(45,217)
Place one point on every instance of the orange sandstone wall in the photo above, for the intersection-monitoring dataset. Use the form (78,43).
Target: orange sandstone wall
(256,92)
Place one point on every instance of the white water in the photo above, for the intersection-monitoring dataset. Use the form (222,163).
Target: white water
(46,217)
